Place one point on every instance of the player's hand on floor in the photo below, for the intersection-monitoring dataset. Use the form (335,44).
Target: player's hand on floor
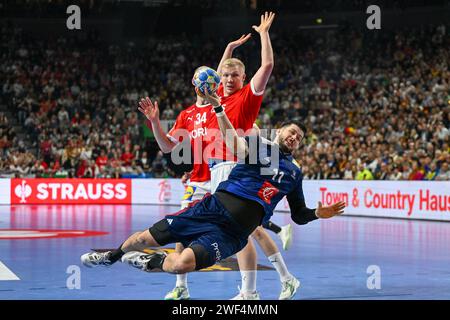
(150,110)
(330,211)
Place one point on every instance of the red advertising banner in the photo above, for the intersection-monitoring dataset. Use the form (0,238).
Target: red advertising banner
(70,191)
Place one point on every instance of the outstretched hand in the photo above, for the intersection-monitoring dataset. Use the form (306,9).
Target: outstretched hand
(236,43)
(266,22)
(150,110)
(331,211)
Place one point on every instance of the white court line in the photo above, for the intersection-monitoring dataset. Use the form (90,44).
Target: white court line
(6,274)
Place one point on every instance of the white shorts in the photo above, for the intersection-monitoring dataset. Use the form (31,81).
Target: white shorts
(220,172)
(195,191)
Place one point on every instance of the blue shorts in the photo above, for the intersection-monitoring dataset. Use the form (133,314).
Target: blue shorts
(206,223)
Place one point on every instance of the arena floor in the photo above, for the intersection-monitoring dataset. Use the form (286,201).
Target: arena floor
(40,248)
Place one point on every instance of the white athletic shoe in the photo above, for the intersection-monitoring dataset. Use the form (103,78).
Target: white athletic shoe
(289,288)
(93,259)
(247,295)
(178,293)
(140,260)
(286,236)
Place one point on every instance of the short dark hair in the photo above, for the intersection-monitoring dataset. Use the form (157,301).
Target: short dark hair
(295,122)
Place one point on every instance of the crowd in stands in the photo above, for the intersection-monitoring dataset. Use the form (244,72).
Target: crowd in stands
(96,8)
(376,104)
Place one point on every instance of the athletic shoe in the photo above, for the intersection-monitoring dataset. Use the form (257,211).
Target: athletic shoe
(93,259)
(178,293)
(286,236)
(140,260)
(289,288)
(247,295)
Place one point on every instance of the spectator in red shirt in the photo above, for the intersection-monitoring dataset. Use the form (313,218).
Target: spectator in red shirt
(127,157)
(102,160)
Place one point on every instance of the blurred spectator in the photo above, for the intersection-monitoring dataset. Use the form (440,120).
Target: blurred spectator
(377,108)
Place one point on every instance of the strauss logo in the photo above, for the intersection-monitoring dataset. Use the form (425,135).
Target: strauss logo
(23,191)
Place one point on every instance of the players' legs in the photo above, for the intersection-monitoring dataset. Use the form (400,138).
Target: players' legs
(271,251)
(180,291)
(192,193)
(139,241)
(284,232)
(180,262)
(247,266)
(136,242)
(181,277)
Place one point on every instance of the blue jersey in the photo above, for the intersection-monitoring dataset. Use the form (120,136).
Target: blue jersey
(266,175)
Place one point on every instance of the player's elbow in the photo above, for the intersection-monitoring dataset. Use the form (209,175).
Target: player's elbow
(166,150)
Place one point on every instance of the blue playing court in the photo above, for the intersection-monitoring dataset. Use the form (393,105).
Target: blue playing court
(341,258)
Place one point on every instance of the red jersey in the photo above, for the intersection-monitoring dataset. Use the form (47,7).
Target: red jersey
(195,121)
(200,122)
(242,108)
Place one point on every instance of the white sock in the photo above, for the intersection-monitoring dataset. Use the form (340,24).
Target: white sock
(248,281)
(181,280)
(278,262)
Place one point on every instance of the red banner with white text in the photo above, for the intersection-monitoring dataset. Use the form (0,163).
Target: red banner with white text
(71,191)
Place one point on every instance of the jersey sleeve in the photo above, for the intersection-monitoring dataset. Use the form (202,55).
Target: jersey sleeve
(300,214)
(220,90)
(251,105)
(179,124)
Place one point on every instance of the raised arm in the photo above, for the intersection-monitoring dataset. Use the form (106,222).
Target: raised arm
(227,54)
(151,112)
(236,144)
(261,77)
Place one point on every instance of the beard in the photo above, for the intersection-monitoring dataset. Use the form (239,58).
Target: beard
(283,147)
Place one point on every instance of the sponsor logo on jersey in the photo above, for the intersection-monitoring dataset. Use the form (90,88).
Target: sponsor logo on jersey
(267,192)
(217,251)
(70,191)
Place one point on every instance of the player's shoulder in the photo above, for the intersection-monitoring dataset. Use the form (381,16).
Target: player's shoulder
(297,167)
(185,112)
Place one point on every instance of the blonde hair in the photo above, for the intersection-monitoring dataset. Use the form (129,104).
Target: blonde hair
(233,62)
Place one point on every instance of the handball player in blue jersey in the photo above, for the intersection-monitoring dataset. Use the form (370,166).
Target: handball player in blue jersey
(218,226)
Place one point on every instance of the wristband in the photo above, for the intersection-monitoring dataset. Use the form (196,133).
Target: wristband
(218,109)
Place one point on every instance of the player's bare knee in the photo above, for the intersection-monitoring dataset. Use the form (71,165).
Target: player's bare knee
(143,239)
(182,266)
(258,234)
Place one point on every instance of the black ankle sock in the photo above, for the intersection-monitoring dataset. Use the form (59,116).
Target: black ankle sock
(272,227)
(156,261)
(116,254)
